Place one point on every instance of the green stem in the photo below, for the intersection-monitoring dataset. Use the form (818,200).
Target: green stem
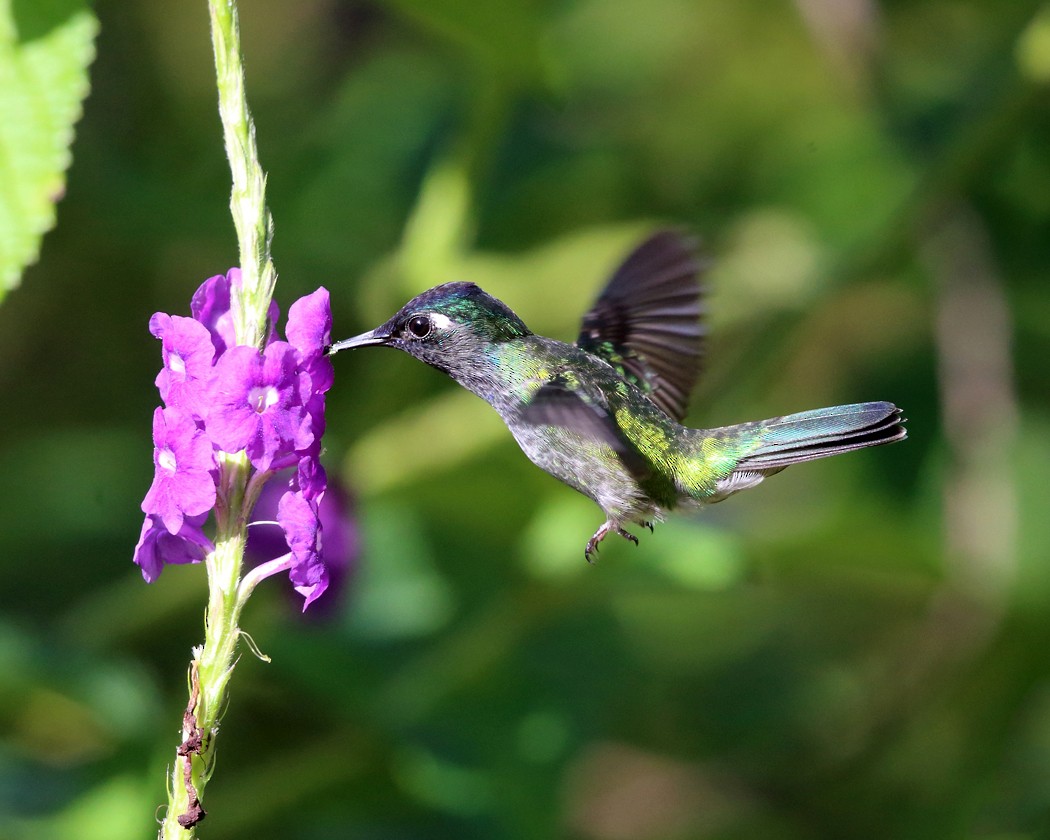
(248,197)
(212,663)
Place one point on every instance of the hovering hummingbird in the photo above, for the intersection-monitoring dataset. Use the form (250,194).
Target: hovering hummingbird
(604,415)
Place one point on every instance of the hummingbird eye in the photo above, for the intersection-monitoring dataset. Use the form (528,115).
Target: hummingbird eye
(419,326)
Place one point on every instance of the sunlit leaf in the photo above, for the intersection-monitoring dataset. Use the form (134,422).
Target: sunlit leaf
(45,49)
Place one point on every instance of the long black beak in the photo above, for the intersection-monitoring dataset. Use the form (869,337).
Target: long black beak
(367,339)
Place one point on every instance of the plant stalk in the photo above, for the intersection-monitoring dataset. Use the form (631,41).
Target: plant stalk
(213,662)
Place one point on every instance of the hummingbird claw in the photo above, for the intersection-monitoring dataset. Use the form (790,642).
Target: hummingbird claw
(607,528)
(592,545)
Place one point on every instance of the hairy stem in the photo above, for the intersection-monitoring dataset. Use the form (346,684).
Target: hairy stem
(212,663)
(248,197)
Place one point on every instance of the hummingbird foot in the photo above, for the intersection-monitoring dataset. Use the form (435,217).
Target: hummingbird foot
(608,527)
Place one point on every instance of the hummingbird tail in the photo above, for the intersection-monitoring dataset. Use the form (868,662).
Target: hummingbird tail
(808,435)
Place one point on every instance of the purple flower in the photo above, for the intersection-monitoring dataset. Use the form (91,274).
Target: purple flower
(158,547)
(211,306)
(299,518)
(183,484)
(257,404)
(341,541)
(310,474)
(309,332)
(188,353)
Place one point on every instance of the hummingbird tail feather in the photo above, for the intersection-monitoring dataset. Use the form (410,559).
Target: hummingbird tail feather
(808,435)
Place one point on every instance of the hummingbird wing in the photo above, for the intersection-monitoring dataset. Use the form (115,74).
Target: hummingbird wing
(646,322)
(559,402)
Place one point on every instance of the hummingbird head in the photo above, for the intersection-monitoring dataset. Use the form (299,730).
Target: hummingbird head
(449,327)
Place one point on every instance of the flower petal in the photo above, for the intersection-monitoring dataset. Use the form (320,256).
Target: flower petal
(158,547)
(184,462)
(299,518)
(211,306)
(188,353)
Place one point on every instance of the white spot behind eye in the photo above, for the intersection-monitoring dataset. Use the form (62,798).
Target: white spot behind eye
(440,322)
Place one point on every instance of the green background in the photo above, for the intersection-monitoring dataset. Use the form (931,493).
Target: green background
(858,648)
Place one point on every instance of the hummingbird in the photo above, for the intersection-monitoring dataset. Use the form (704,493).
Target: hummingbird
(604,415)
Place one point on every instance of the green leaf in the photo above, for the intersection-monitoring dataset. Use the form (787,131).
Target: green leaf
(45,49)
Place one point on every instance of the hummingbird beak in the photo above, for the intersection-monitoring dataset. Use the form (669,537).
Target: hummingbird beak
(367,339)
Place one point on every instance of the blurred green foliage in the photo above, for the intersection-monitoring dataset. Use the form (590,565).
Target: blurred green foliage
(856,649)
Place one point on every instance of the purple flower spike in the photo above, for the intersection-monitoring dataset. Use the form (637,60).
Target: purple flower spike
(158,547)
(257,404)
(188,355)
(223,397)
(183,484)
(302,529)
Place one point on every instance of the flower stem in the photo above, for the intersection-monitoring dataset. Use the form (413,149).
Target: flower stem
(213,662)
